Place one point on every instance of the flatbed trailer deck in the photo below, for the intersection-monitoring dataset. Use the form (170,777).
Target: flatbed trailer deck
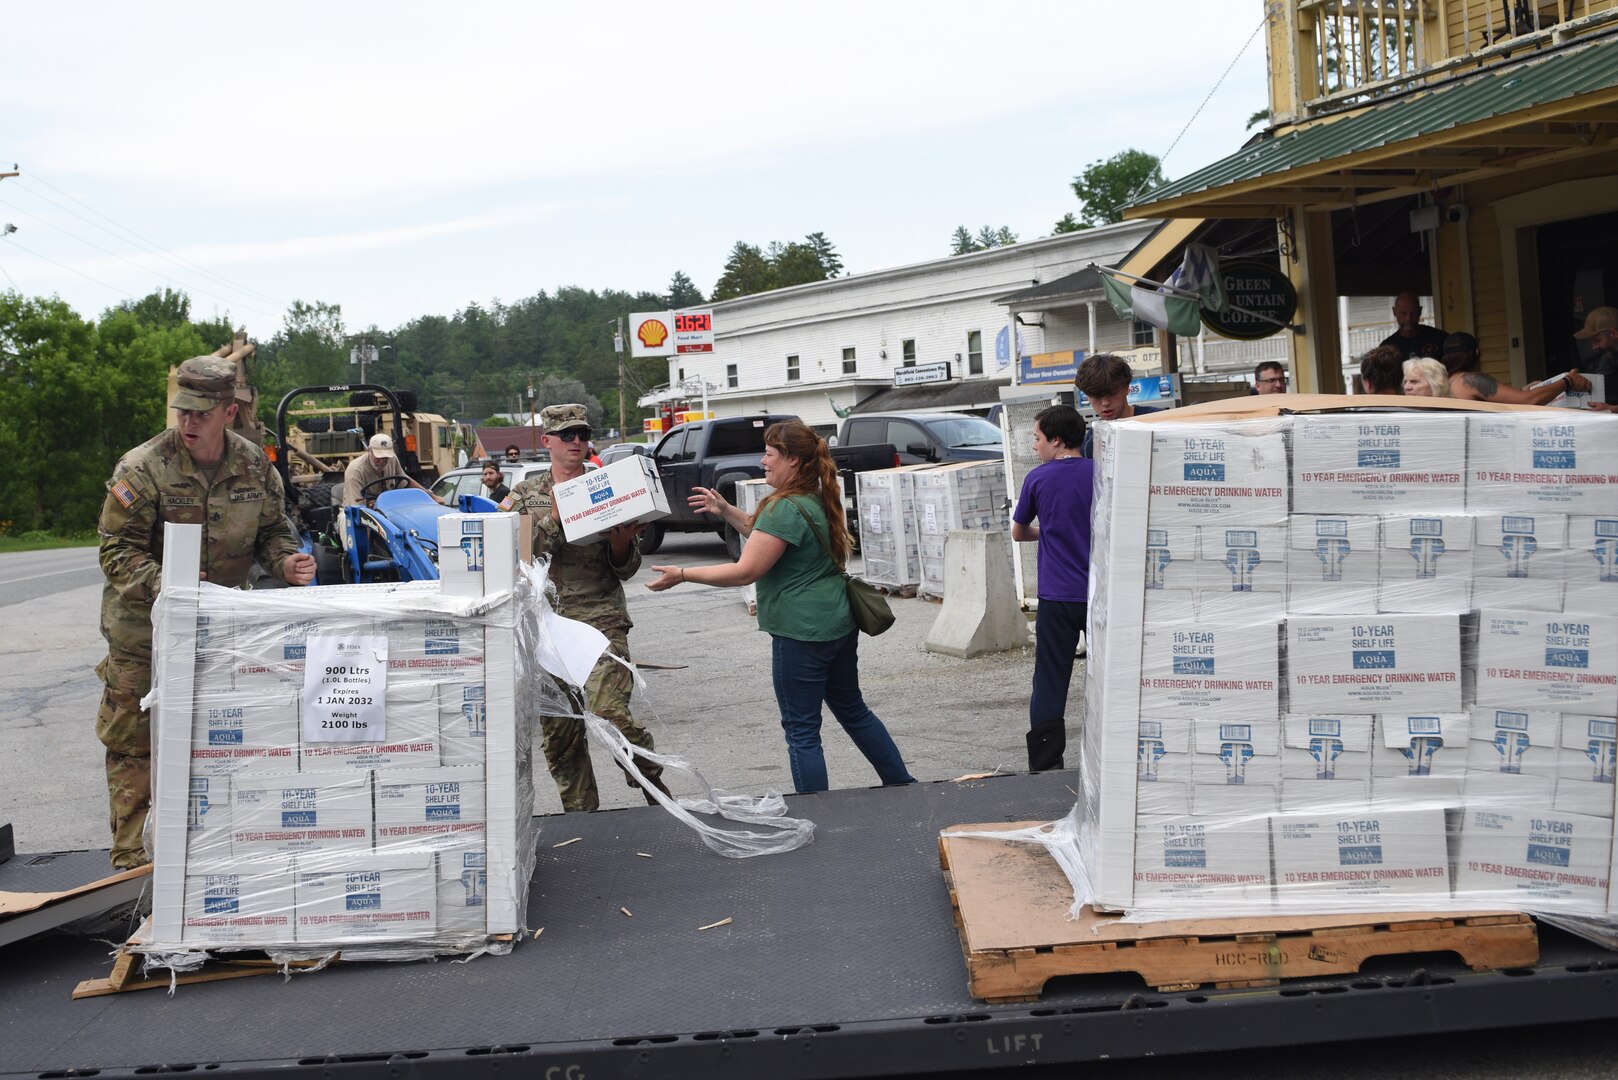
(840,960)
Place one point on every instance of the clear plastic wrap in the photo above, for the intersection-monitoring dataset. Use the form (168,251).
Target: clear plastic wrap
(342,768)
(1353,661)
(969,496)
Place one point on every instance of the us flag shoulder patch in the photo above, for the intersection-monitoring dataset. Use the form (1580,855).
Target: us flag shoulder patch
(508,502)
(125,495)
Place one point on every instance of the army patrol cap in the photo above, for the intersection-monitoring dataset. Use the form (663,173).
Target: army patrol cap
(204,382)
(557,418)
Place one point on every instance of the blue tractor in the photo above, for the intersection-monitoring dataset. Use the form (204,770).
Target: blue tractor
(390,535)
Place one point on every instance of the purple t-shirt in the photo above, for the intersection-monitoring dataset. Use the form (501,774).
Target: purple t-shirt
(1058,494)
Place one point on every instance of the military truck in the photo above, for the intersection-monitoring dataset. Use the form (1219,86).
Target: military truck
(326,435)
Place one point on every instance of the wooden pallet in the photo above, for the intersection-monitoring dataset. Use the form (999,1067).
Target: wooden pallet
(1011,902)
(126,976)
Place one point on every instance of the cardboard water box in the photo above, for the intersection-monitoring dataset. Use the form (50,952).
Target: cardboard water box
(1163,765)
(629,491)
(1549,662)
(1566,462)
(1240,560)
(1219,668)
(1354,856)
(1333,563)
(273,815)
(1325,761)
(1586,763)
(463,892)
(1519,560)
(477,553)
(374,896)
(248,904)
(1171,558)
(1591,564)
(1217,476)
(1419,760)
(1426,563)
(207,821)
(1374,663)
(1535,858)
(463,722)
(245,730)
(430,809)
(1187,862)
(412,736)
(1511,757)
(1235,766)
(1376,464)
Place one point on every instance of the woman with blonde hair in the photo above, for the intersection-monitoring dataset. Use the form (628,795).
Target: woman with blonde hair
(1425,377)
(797,544)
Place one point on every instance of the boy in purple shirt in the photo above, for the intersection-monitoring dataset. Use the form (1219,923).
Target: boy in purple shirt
(1058,494)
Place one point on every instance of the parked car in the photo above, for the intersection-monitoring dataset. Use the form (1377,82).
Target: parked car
(469,481)
(926,437)
(623,450)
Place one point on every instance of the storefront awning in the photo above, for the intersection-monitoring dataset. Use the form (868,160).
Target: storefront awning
(1543,112)
(1077,287)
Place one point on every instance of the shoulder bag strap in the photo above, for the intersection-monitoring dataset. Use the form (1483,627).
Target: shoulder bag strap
(825,547)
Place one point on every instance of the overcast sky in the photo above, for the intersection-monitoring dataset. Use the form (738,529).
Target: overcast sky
(407,158)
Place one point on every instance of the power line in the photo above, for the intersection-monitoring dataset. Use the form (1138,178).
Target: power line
(154,247)
(71,270)
(1220,82)
(132,262)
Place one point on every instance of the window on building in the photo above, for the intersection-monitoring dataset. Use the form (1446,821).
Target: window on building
(974,352)
(850,364)
(1142,334)
(907,349)
(731,378)
(792,369)
(681,377)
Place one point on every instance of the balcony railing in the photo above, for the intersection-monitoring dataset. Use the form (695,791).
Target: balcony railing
(1346,52)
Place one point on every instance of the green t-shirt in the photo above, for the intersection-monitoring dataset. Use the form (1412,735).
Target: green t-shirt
(801,596)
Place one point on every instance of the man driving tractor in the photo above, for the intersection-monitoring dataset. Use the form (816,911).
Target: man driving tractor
(363,479)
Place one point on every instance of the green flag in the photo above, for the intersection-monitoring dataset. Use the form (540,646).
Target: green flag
(1175,314)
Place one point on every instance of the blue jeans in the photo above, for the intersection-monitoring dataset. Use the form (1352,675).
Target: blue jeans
(808,673)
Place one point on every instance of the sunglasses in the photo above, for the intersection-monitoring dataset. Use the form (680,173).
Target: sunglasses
(573,435)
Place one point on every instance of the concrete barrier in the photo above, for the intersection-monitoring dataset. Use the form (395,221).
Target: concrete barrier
(980,613)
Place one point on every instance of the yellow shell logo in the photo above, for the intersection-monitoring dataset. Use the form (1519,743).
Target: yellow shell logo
(652,333)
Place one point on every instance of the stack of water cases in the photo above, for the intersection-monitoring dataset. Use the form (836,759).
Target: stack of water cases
(344,767)
(1354,663)
(890,535)
(969,496)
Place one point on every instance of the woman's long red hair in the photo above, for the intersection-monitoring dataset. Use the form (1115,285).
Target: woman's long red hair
(816,475)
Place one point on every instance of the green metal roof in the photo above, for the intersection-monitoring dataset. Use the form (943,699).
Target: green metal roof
(1501,91)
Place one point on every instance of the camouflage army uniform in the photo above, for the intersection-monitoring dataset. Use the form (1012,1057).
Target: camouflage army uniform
(243,518)
(589,588)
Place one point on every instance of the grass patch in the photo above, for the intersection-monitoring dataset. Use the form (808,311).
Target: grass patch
(45,541)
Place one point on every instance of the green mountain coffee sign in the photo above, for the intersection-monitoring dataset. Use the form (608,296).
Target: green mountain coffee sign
(1262,301)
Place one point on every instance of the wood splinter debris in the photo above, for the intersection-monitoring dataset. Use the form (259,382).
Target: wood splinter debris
(722,922)
(565,843)
(643,854)
(626,911)
(538,932)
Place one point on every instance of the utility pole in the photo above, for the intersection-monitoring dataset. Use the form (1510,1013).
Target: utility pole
(623,407)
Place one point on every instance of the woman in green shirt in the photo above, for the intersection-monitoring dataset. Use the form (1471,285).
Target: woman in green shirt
(802,602)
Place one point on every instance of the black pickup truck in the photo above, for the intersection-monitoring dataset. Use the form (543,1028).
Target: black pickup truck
(721,453)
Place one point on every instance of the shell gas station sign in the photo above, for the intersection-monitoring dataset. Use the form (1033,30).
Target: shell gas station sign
(671,333)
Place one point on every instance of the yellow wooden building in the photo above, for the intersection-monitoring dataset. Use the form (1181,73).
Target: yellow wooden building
(1461,149)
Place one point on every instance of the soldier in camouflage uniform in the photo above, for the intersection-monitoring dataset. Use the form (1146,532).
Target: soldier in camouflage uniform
(197,472)
(589,587)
